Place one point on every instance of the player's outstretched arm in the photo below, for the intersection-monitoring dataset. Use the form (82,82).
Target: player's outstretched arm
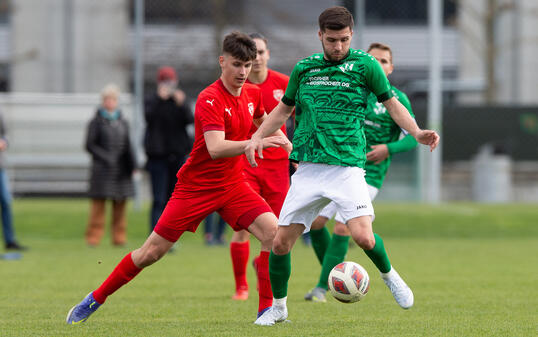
(219,147)
(401,116)
(288,147)
(270,125)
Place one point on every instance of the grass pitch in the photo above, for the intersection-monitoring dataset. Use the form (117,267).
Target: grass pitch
(472,269)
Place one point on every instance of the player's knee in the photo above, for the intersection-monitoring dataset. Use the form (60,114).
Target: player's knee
(241,236)
(269,235)
(280,246)
(365,242)
(150,255)
(341,229)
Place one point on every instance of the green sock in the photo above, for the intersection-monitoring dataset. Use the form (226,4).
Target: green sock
(279,272)
(378,255)
(320,241)
(335,254)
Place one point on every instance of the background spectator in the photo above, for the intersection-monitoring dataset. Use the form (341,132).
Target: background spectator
(166,140)
(112,167)
(5,194)
(214,227)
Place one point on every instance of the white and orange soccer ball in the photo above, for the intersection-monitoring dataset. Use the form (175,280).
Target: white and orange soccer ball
(349,282)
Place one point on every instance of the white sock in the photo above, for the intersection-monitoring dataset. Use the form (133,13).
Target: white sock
(280,302)
(389,274)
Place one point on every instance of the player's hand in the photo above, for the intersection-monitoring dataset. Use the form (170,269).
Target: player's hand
(379,153)
(288,147)
(276,141)
(3,145)
(428,137)
(255,144)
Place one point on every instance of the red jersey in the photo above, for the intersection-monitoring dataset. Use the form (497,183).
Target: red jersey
(217,109)
(273,88)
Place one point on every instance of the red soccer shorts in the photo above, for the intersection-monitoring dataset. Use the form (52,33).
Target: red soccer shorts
(270,179)
(239,205)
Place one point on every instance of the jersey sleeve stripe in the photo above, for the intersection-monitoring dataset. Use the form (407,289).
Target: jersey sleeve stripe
(213,127)
(287,101)
(385,96)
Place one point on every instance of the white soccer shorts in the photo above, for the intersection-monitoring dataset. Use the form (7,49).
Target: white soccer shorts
(314,186)
(331,210)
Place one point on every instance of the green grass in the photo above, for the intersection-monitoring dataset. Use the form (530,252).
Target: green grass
(472,269)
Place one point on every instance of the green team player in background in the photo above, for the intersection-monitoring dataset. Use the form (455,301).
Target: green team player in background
(383,140)
(330,91)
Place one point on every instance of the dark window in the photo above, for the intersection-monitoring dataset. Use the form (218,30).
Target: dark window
(185,12)
(402,12)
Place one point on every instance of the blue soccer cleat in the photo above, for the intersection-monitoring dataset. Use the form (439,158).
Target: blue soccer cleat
(80,312)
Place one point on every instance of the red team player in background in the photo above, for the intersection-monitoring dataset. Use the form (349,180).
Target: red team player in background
(211,179)
(271,178)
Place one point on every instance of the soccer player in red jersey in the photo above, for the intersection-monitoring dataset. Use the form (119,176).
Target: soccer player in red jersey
(211,179)
(271,178)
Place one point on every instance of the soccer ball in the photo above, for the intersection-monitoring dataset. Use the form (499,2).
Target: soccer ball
(349,282)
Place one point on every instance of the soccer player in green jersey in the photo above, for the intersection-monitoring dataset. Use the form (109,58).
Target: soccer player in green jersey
(330,91)
(383,140)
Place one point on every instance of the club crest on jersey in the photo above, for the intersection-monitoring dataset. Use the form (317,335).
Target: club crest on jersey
(277,94)
(379,108)
(346,67)
(229,111)
(251,108)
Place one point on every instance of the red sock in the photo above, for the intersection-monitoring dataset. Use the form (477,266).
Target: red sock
(255,265)
(240,252)
(264,283)
(124,272)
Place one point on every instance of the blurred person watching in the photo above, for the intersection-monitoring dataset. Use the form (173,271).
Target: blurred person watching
(166,140)
(112,167)
(5,194)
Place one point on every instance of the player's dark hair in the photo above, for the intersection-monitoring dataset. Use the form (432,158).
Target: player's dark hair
(240,46)
(258,36)
(382,46)
(335,18)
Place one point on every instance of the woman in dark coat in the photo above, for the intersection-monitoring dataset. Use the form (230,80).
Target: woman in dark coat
(112,167)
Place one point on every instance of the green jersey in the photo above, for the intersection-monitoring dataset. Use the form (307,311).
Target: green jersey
(331,100)
(380,128)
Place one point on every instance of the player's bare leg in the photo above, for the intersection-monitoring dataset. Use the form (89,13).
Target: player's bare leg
(151,251)
(319,222)
(280,271)
(361,231)
(373,246)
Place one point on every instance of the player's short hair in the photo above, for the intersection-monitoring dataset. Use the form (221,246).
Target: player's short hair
(258,36)
(110,90)
(382,46)
(240,46)
(335,18)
